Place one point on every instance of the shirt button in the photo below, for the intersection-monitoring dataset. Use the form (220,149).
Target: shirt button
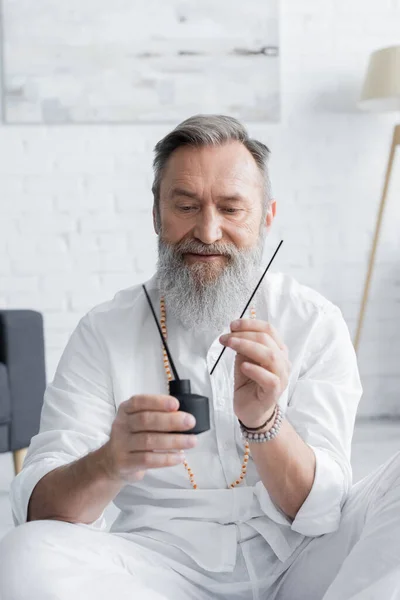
(227,446)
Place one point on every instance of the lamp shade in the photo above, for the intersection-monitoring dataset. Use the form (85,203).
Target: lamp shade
(381,90)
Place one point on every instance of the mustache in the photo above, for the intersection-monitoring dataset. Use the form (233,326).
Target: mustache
(196,247)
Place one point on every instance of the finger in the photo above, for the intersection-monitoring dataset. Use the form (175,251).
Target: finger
(259,325)
(148,441)
(160,421)
(265,379)
(155,460)
(255,336)
(157,402)
(257,353)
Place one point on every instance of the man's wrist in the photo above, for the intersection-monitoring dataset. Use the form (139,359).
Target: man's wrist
(263,424)
(105,465)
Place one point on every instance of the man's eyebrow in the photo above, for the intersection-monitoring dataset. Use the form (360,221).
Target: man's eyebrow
(177,191)
(233,197)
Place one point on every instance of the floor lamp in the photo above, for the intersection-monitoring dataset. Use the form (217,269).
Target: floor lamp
(381,92)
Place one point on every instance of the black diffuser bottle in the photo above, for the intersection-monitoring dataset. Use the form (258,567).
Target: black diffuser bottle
(194,404)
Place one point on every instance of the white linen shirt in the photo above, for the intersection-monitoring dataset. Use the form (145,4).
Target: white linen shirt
(115,352)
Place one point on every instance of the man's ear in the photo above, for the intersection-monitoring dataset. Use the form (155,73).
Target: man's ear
(156,229)
(270,213)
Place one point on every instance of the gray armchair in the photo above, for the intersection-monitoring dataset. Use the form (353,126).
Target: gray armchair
(22,380)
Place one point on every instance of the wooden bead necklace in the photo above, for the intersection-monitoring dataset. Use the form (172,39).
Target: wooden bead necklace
(163,322)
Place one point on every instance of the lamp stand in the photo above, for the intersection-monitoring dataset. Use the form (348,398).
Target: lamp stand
(371,262)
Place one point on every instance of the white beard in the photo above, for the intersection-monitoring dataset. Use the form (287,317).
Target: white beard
(200,296)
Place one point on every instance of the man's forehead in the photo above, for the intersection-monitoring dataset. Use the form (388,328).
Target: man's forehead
(230,165)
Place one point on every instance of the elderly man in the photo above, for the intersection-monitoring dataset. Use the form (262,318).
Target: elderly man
(225,514)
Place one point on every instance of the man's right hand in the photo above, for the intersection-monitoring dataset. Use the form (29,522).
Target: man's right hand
(143,424)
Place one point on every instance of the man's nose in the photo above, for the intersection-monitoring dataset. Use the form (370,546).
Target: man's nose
(208,227)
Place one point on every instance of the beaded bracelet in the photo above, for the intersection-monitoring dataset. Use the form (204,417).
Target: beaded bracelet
(267,435)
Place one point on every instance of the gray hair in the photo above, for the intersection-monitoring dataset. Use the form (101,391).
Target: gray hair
(208,130)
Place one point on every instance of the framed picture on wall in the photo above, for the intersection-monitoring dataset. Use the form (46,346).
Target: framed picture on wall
(139,62)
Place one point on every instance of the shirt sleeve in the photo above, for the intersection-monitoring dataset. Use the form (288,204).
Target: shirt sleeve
(77,414)
(322,409)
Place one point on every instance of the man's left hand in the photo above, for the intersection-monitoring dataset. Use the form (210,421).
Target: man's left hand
(262,369)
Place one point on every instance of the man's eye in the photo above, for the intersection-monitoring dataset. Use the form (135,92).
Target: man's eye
(231,211)
(186,208)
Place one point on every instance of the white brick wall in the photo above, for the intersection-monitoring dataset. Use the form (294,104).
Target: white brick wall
(75,202)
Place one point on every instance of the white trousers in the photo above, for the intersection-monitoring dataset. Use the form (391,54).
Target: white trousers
(51,560)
